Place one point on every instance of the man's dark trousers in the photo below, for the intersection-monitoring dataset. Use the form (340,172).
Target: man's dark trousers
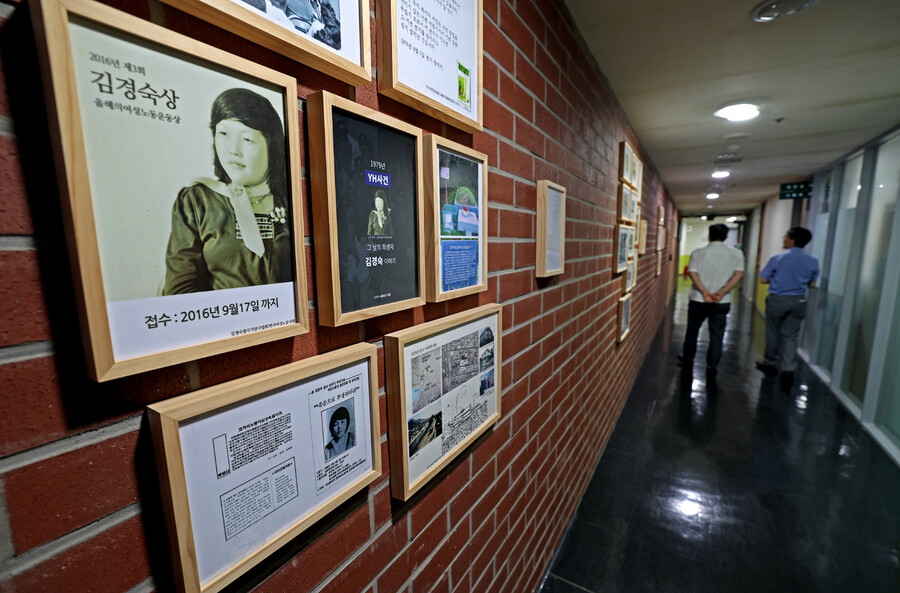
(697,314)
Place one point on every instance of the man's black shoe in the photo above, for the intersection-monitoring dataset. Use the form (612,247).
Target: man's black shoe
(684,363)
(711,372)
(787,380)
(767,368)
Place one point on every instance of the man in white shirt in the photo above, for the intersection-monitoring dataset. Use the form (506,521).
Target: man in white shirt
(714,270)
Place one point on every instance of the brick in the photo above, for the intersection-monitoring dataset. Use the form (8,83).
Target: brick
(15,214)
(308,568)
(515,284)
(515,224)
(50,498)
(362,570)
(529,137)
(501,189)
(500,256)
(498,118)
(113,561)
(23,309)
(498,47)
(514,96)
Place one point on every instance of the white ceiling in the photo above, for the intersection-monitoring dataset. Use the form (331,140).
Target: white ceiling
(831,72)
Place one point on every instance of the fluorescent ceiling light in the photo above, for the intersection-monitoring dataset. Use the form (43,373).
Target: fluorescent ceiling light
(720,174)
(703,217)
(738,112)
(712,196)
(731,219)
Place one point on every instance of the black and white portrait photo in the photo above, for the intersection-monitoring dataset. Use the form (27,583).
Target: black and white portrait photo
(341,430)
(319,19)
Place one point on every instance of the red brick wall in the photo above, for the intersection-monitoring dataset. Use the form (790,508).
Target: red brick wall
(79,507)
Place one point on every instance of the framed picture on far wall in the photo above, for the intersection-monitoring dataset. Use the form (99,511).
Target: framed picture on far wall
(551,229)
(624,318)
(247,465)
(368,210)
(443,392)
(642,237)
(180,178)
(430,58)
(660,238)
(621,246)
(628,281)
(659,259)
(456,207)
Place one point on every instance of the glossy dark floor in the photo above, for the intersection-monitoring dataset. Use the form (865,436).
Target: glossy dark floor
(733,485)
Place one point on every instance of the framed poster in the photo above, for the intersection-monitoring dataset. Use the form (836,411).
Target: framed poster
(180,180)
(328,35)
(624,318)
(626,203)
(660,238)
(626,162)
(635,206)
(247,465)
(621,246)
(430,58)
(456,209)
(368,210)
(659,257)
(632,242)
(660,215)
(443,392)
(642,237)
(630,279)
(551,229)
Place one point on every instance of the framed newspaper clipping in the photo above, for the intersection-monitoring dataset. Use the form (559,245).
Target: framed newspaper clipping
(622,242)
(329,35)
(247,465)
(443,392)
(430,58)
(179,170)
(551,229)
(368,210)
(624,318)
(456,207)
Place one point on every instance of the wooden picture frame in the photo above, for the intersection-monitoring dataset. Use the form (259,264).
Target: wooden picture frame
(632,242)
(340,47)
(623,318)
(299,439)
(456,207)
(660,215)
(659,258)
(443,392)
(629,281)
(621,247)
(550,257)
(437,72)
(642,236)
(626,156)
(625,203)
(661,238)
(148,295)
(368,210)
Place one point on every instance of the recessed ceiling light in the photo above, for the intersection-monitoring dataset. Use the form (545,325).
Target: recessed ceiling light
(712,196)
(731,219)
(720,174)
(771,10)
(738,112)
(703,217)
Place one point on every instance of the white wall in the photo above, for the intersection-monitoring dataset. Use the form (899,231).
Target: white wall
(776,222)
(751,248)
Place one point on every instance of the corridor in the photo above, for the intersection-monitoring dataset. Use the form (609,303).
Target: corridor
(733,485)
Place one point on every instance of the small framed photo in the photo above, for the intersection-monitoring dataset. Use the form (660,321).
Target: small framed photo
(630,278)
(622,245)
(329,35)
(443,392)
(661,238)
(456,207)
(626,203)
(659,259)
(637,174)
(430,58)
(247,465)
(660,215)
(632,242)
(626,163)
(624,318)
(635,206)
(180,178)
(642,236)
(368,210)
(551,229)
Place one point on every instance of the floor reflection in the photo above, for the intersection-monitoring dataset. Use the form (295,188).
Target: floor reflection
(731,484)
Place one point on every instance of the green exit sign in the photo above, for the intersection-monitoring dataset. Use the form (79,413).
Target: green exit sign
(795,191)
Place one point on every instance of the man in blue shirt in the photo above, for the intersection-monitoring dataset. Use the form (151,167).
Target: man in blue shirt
(788,275)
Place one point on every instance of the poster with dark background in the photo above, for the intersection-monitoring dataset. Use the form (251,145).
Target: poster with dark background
(376,210)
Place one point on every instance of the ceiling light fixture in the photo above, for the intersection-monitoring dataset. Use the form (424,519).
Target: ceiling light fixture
(772,10)
(738,112)
(712,196)
(731,219)
(720,174)
(703,217)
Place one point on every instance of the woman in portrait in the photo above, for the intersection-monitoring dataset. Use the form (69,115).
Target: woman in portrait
(342,437)
(234,231)
(380,217)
